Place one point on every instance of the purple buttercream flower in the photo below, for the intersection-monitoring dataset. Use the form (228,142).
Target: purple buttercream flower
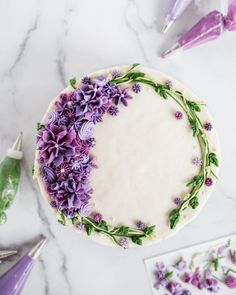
(113,111)
(208,181)
(100,81)
(186,292)
(179,115)
(141,225)
(208,126)
(86,80)
(173,287)
(197,278)
(116,74)
(97,217)
(47,173)
(230,282)
(136,88)
(177,201)
(187,277)
(53,204)
(211,285)
(62,120)
(52,117)
(160,274)
(122,96)
(86,130)
(197,161)
(124,243)
(110,89)
(56,144)
(91,101)
(91,142)
(70,212)
(86,210)
(63,170)
(181,265)
(233,256)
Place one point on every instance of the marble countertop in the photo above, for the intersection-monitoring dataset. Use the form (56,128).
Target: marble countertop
(44,44)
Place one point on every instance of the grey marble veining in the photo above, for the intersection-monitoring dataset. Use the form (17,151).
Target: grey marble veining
(44,44)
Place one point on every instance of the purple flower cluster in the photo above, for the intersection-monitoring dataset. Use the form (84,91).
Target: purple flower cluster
(64,143)
(163,279)
(205,281)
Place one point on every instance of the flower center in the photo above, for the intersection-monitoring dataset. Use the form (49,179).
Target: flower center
(56,145)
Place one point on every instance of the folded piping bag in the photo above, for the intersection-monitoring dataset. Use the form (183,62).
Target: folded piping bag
(209,28)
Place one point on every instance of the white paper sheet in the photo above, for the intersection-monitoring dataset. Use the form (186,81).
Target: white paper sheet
(202,253)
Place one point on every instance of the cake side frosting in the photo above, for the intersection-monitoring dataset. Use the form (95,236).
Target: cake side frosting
(150,194)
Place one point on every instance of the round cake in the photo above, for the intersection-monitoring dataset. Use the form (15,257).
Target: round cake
(126,155)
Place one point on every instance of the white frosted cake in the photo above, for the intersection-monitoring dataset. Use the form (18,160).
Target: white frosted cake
(126,155)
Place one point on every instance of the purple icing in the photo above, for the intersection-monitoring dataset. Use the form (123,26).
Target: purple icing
(65,143)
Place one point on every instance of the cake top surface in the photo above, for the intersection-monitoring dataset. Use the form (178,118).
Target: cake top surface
(116,151)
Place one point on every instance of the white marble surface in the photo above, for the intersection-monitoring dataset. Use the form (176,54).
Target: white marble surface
(43,44)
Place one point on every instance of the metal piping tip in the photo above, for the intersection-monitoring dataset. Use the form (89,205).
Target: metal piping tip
(18,143)
(35,252)
(171,51)
(167,24)
(6,253)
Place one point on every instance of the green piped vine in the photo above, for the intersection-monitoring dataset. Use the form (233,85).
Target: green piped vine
(191,109)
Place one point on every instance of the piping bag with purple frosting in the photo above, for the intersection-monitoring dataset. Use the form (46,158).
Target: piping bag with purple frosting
(13,281)
(210,27)
(176,8)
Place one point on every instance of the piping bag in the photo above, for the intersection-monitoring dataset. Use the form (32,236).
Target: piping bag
(176,8)
(13,281)
(10,177)
(210,27)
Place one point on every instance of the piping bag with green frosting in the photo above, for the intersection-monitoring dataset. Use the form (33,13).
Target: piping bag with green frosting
(10,177)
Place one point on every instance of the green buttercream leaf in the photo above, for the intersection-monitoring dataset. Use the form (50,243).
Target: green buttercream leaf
(174,218)
(194,202)
(137,240)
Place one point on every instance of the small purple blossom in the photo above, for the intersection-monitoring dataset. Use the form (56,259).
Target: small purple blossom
(136,88)
(179,115)
(53,204)
(177,201)
(141,225)
(113,111)
(169,83)
(230,282)
(116,74)
(97,217)
(233,256)
(80,226)
(208,126)
(186,292)
(124,243)
(208,181)
(122,96)
(197,161)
